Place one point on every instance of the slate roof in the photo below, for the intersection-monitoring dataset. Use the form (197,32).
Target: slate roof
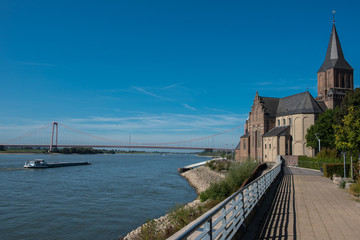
(334,54)
(298,104)
(245,135)
(322,105)
(270,105)
(238,146)
(278,131)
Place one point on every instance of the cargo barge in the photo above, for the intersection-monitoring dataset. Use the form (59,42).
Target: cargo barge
(41,163)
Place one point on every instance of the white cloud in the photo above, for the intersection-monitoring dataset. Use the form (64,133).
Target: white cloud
(189,107)
(142,90)
(171,86)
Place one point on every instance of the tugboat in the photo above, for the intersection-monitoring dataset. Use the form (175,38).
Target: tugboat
(37,163)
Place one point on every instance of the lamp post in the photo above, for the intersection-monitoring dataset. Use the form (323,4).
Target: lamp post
(316,135)
(344,154)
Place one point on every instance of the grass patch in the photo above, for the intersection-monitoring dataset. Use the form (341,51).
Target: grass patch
(179,216)
(237,175)
(355,189)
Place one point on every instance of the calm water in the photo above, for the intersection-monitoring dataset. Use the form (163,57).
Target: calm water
(104,200)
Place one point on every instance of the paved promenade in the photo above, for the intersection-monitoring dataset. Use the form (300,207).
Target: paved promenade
(308,206)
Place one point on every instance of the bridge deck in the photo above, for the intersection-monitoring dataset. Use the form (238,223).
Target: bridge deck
(308,206)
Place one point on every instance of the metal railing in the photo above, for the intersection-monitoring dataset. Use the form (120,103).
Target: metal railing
(224,221)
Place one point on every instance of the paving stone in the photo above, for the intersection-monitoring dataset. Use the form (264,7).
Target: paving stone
(308,206)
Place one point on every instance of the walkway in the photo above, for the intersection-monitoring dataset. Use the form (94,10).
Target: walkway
(308,206)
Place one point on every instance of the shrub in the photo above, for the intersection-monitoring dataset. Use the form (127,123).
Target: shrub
(355,189)
(222,166)
(238,173)
(218,165)
(342,184)
(210,164)
(315,163)
(150,231)
(328,153)
(335,168)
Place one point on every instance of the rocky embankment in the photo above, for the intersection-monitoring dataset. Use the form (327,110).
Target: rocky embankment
(200,178)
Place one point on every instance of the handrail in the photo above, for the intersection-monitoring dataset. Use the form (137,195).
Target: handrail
(238,204)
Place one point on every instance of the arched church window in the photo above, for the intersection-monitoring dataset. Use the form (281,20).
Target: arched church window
(278,122)
(284,121)
(289,121)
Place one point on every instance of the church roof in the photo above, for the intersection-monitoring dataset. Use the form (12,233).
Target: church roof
(245,135)
(298,104)
(334,55)
(278,131)
(270,104)
(294,104)
(322,105)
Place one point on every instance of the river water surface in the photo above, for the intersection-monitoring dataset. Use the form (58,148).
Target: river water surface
(104,200)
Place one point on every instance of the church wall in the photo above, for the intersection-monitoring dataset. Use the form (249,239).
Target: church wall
(256,128)
(243,152)
(299,124)
(298,130)
(282,142)
(270,148)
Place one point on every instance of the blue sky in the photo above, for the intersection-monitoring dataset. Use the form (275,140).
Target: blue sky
(160,70)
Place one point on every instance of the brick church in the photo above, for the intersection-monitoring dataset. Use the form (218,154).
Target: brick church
(277,126)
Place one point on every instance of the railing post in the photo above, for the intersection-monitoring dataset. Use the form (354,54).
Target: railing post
(208,226)
(223,221)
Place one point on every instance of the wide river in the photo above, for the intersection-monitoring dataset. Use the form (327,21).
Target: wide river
(104,200)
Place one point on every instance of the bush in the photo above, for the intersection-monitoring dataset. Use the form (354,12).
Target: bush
(210,164)
(335,168)
(218,165)
(327,153)
(237,175)
(315,163)
(355,189)
(150,231)
(342,184)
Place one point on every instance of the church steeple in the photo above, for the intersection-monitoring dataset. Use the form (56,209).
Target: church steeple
(335,76)
(334,54)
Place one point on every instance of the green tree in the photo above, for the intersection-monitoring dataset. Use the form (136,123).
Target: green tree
(347,135)
(2,148)
(324,128)
(351,99)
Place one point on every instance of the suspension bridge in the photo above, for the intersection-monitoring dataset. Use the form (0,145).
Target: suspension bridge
(49,136)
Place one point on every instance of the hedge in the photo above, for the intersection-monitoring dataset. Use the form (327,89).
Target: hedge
(335,168)
(315,163)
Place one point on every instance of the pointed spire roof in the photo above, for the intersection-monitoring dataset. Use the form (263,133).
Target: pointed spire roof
(334,55)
